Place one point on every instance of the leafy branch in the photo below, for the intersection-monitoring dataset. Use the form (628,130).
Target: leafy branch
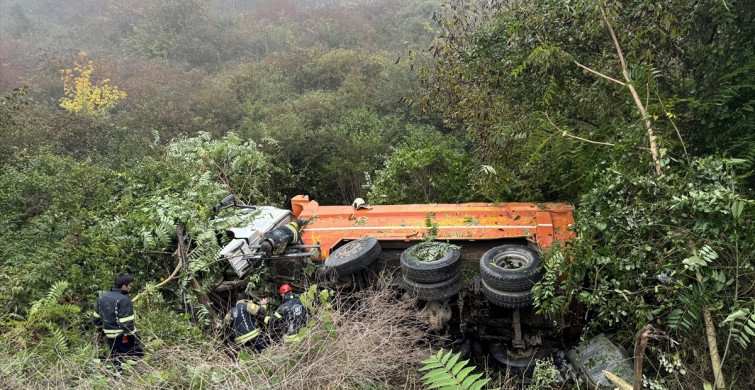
(446,372)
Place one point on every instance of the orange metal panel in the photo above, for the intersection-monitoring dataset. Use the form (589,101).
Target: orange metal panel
(542,223)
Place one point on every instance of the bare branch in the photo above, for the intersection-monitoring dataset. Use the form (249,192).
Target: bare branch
(647,90)
(600,74)
(635,96)
(678,134)
(641,342)
(173,275)
(565,134)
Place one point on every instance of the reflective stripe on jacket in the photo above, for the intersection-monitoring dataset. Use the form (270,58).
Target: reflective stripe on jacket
(242,320)
(291,338)
(246,337)
(269,320)
(115,312)
(281,237)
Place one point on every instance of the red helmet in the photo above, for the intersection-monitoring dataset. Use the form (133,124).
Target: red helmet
(284,289)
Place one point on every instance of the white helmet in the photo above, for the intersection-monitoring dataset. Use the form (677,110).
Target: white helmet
(359,204)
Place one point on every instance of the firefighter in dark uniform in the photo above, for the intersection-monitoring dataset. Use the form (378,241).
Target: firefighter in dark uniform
(275,241)
(115,313)
(242,319)
(291,312)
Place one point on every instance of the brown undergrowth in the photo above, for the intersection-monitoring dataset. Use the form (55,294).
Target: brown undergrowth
(370,340)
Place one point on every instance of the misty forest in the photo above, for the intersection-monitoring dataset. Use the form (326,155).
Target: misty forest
(122,122)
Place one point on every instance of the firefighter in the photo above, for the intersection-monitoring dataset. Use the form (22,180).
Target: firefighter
(292,312)
(115,313)
(275,241)
(242,319)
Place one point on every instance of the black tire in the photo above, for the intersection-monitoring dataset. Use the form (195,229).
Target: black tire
(507,299)
(430,271)
(354,256)
(510,268)
(434,291)
(520,366)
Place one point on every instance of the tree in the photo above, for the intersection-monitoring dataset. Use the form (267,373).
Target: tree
(427,167)
(625,90)
(523,76)
(18,23)
(83,96)
(176,30)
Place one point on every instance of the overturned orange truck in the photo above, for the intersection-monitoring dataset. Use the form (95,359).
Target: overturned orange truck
(470,266)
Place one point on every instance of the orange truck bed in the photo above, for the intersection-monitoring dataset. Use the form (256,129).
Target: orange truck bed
(540,223)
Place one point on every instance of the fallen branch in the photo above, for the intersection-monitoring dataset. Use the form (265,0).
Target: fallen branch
(184,261)
(565,134)
(618,382)
(641,342)
(164,282)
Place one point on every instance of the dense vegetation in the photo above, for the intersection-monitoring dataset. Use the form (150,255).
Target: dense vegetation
(122,122)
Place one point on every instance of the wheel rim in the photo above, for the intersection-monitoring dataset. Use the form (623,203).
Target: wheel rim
(350,248)
(521,355)
(514,357)
(510,261)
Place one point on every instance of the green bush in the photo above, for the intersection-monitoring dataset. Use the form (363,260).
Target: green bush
(428,167)
(660,250)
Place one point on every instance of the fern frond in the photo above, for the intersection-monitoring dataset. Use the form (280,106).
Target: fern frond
(60,339)
(742,325)
(70,309)
(52,296)
(446,371)
(687,314)
(57,291)
(163,233)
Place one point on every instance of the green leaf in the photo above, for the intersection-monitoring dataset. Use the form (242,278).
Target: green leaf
(430,360)
(739,314)
(455,370)
(463,373)
(470,380)
(443,382)
(435,374)
(736,208)
(478,385)
(431,365)
(452,361)
(445,357)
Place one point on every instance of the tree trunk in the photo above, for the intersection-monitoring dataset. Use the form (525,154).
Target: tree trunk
(182,254)
(710,333)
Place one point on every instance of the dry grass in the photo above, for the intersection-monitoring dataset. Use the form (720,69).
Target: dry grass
(378,345)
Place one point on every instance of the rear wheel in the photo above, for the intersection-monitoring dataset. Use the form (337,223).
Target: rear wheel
(445,261)
(510,268)
(519,363)
(507,299)
(354,256)
(434,291)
